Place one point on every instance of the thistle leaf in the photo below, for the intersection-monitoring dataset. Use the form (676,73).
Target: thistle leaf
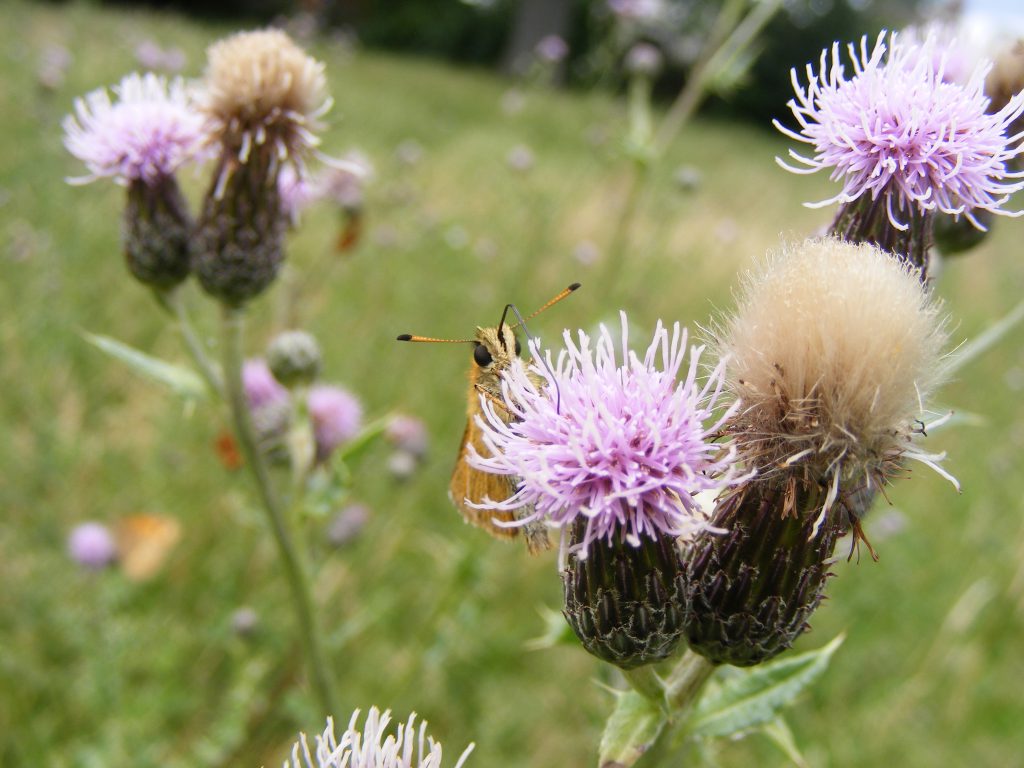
(755,697)
(630,731)
(182,381)
(778,731)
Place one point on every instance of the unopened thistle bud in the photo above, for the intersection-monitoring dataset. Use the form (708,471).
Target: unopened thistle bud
(294,358)
(262,98)
(611,448)
(157,233)
(833,349)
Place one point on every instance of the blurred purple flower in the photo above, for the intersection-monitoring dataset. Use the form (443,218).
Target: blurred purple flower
(644,59)
(261,388)
(622,446)
(245,621)
(897,132)
(296,191)
(146,134)
(552,49)
(402,465)
(345,181)
(337,417)
(347,524)
(53,66)
(408,434)
(150,55)
(637,10)
(520,158)
(92,546)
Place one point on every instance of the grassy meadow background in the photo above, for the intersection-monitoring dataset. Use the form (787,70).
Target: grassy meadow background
(423,612)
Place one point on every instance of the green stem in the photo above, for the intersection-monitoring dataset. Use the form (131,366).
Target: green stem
(298,581)
(620,235)
(686,681)
(646,682)
(171,301)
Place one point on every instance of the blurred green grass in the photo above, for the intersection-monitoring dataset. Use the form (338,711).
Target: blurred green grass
(425,613)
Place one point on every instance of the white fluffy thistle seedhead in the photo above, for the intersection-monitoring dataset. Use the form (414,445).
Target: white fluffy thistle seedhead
(833,349)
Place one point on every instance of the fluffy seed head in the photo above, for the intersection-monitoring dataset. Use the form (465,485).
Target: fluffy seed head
(372,746)
(262,89)
(896,131)
(833,349)
(144,134)
(621,445)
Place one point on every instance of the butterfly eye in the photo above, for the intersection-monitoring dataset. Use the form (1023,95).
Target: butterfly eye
(519,347)
(482,356)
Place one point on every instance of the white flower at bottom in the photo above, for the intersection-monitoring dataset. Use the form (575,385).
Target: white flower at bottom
(369,747)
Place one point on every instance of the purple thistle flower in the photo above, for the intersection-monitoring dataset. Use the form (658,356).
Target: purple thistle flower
(408,434)
(622,446)
(146,134)
(896,131)
(261,388)
(92,546)
(337,417)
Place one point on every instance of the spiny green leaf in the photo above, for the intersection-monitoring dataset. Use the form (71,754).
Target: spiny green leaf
(630,731)
(756,696)
(183,381)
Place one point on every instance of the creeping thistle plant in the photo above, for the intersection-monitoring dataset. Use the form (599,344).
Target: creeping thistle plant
(255,115)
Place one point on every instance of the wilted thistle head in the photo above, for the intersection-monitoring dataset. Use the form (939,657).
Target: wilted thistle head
(372,746)
(140,140)
(896,134)
(834,348)
(262,96)
(619,446)
(264,93)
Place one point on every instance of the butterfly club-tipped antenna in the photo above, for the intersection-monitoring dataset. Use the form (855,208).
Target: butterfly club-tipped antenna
(432,340)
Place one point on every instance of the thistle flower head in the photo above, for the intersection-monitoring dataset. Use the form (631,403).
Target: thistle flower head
(896,132)
(92,546)
(262,90)
(833,349)
(620,444)
(337,417)
(143,134)
(372,746)
(261,388)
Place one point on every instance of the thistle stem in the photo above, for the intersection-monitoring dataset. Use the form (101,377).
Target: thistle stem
(646,682)
(686,681)
(298,581)
(170,300)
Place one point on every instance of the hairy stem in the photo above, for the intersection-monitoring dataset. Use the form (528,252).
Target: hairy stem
(298,581)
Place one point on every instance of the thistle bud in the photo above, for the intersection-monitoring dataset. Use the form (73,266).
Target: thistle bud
(750,590)
(157,233)
(294,358)
(624,602)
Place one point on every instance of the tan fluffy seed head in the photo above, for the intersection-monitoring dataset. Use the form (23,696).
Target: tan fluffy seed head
(263,89)
(1006,78)
(833,349)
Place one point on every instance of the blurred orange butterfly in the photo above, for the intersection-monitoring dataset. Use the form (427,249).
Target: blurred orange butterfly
(144,542)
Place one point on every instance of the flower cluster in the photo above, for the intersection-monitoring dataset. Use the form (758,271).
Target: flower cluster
(622,446)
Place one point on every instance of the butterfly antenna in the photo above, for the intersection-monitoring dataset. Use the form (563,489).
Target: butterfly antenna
(550,304)
(431,339)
